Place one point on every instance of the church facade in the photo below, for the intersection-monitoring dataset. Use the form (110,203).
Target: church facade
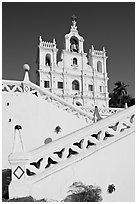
(79,78)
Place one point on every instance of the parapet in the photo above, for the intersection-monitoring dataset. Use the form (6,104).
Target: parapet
(47,44)
(94,52)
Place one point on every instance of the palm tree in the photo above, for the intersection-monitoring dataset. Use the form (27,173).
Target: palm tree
(120,92)
(129,100)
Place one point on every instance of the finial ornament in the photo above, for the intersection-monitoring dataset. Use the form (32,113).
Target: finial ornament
(40,39)
(26,68)
(73,18)
(104,49)
(54,41)
(73,27)
(92,47)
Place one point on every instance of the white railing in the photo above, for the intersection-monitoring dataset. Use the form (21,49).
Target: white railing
(85,113)
(29,87)
(12,86)
(71,148)
(60,103)
(103,111)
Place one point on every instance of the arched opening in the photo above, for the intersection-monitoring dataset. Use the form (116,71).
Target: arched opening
(99,66)
(48,60)
(75,61)
(75,85)
(74,44)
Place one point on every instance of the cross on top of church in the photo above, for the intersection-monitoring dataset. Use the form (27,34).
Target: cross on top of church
(74,22)
(73,18)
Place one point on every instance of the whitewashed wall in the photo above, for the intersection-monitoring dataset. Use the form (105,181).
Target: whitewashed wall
(38,119)
(113,164)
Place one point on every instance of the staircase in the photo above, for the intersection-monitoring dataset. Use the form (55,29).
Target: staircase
(45,172)
(17,87)
(31,168)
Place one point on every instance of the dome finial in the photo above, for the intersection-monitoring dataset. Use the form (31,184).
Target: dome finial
(26,68)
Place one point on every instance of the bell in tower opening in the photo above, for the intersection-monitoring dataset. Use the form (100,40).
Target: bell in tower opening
(76,73)
(74,45)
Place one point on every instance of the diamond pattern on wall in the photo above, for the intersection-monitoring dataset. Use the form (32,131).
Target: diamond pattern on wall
(18,172)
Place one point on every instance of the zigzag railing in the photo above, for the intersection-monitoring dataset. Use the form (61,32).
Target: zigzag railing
(103,111)
(60,103)
(85,113)
(29,87)
(54,156)
(12,86)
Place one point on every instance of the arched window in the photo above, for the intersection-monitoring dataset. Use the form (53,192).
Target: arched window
(75,61)
(99,66)
(48,60)
(75,85)
(74,44)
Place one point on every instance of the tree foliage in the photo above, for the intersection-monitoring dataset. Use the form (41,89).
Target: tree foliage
(6,179)
(120,96)
(83,193)
(24,199)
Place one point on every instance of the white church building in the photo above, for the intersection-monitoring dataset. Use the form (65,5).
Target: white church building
(48,138)
(79,78)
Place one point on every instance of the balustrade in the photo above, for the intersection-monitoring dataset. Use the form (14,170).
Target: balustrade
(48,44)
(64,151)
(103,111)
(30,167)
(28,87)
(12,86)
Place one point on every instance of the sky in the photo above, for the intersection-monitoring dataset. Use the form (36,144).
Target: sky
(110,24)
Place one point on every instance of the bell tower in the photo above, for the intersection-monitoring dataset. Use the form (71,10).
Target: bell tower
(73,41)
(47,62)
(78,78)
(74,63)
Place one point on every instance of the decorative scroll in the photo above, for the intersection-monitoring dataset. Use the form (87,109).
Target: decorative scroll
(114,127)
(71,152)
(50,161)
(89,144)
(30,173)
(37,164)
(96,135)
(59,153)
(79,144)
